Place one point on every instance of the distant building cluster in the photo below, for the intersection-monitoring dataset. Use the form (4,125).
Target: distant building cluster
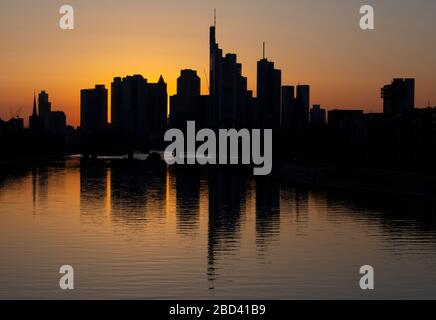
(44,120)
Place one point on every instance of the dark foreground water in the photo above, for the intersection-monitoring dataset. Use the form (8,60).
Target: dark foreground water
(136,232)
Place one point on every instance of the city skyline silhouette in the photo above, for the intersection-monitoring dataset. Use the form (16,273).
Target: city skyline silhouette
(141,112)
(309,59)
(267,149)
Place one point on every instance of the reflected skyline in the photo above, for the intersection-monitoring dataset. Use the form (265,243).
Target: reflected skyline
(138,231)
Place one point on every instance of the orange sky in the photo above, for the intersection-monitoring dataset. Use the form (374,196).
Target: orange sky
(315,42)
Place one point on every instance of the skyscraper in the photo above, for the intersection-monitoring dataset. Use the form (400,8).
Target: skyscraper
(228,88)
(56,123)
(139,109)
(44,104)
(288,102)
(93,109)
(188,104)
(269,84)
(300,114)
(399,96)
(317,116)
(47,121)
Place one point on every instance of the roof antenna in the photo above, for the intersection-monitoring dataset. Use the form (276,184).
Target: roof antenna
(264,50)
(214,18)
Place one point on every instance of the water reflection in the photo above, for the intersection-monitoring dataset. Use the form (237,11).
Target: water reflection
(212,232)
(227,195)
(93,193)
(137,194)
(187,199)
(267,210)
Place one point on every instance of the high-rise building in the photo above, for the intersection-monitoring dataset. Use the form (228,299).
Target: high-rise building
(288,102)
(230,98)
(295,107)
(46,120)
(303,100)
(56,123)
(93,109)
(188,104)
(399,96)
(317,116)
(139,109)
(269,84)
(188,84)
(44,105)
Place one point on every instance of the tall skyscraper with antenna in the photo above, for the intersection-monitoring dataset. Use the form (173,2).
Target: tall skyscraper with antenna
(269,83)
(228,88)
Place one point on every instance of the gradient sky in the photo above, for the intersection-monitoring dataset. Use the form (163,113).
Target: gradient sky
(317,42)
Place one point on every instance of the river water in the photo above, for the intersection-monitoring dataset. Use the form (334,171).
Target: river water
(137,232)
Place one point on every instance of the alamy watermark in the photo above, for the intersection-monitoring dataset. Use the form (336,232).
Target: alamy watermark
(66,22)
(367,280)
(66,282)
(366,22)
(214,150)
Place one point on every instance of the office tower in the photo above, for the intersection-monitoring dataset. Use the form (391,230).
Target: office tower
(156,112)
(269,82)
(47,121)
(56,123)
(188,84)
(139,109)
(288,102)
(295,107)
(303,101)
(317,116)
(43,104)
(399,96)
(228,88)
(93,109)
(188,104)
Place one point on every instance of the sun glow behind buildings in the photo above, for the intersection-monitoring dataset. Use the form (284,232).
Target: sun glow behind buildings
(317,43)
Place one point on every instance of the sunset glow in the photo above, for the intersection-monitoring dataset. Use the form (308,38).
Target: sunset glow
(314,42)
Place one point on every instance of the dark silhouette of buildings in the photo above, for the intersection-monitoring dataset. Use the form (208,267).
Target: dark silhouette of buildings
(269,85)
(318,117)
(53,123)
(399,96)
(303,103)
(93,110)
(11,126)
(347,136)
(139,110)
(56,123)
(401,137)
(188,104)
(44,105)
(35,122)
(343,118)
(230,99)
(288,101)
(295,107)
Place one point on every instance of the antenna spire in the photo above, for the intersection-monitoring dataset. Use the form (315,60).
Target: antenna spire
(214,18)
(264,50)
